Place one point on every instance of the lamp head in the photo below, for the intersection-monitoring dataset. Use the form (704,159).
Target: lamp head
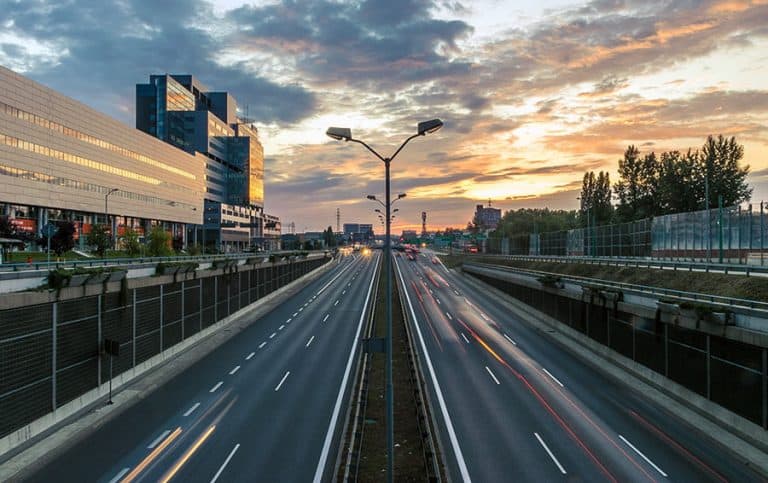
(428,127)
(401,195)
(371,197)
(339,133)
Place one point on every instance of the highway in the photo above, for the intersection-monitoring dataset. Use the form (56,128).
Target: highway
(264,406)
(513,406)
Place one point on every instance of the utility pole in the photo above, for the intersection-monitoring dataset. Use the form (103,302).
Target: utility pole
(423,224)
(338,220)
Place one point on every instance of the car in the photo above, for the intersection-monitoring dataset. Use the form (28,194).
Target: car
(434,260)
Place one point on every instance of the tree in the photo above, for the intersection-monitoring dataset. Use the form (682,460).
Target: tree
(100,238)
(636,188)
(159,241)
(130,242)
(177,243)
(7,229)
(596,199)
(719,167)
(677,189)
(63,240)
(329,237)
(527,220)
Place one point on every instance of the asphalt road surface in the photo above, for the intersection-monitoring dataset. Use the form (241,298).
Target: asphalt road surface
(264,406)
(513,406)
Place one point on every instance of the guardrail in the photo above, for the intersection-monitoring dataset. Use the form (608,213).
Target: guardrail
(642,263)
(632,288)
(112,262)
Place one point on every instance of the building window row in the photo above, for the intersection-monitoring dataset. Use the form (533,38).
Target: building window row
(54,126)
(89,163)
(81,185)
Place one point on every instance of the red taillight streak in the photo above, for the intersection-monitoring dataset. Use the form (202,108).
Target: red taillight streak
(661,434)
(416,289)
(544,403)
(429,324)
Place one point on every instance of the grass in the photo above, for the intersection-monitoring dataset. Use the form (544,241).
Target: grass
(735,286)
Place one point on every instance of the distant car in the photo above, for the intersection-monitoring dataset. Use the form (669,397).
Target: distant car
(434,260)
(411,257)
(472,249)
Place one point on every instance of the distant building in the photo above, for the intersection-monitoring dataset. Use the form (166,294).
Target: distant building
(409,236)
(181,111)
(487,218)
(358,232)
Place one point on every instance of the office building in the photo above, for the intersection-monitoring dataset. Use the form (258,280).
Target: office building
(183,112)
(61,160)
(358,232)
(487,218)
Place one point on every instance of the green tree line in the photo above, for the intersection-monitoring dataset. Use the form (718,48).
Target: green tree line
(649,185)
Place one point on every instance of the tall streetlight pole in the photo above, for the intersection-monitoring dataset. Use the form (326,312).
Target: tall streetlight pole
(345,134)
(106,215)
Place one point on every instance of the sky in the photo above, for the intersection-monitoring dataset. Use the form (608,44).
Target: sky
(532,94)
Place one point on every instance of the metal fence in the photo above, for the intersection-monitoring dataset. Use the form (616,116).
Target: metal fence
(51,353)
(733,234)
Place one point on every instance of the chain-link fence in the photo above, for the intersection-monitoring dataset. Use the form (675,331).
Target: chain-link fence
(733,234)
(50,354)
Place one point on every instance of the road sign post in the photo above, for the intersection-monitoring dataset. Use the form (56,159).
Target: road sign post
(111,347)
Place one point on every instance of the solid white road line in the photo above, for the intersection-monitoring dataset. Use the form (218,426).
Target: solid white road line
(546,448)
(273,335)
(277,388)
(507,337)
(491,373)
(119,475)
(553,377)
(250,355)
(192,409)
(326,317)
(465,338)
(218,385)
(333,280)
(159,438)
(336,303)
(226,462)
(262,345)
(440,399)
(281,327)
(449,316)
(233,371)
(340,397)
(310,341)
(643,456)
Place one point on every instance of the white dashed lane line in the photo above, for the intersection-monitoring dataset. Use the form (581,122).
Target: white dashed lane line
(262,345)
(336,303)
(449,316)
(218,385)
(273,335)
(159,438)
(233,371)
(192,409)
(248,357)
(310,341)
(326,317)
(492,375)
(277,388)
(281,327)
(507,337)
(465,338)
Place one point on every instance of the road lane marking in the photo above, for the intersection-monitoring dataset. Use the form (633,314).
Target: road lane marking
(310,341)
(438,301)
(295,314)
(273,335)
(250,355)
(643,456)
(288,321)
(440,398)
(456,292)
(553,377)
(491,373)
(159,438)
(262,345)
(349,284)
(342,389)
(507,337)
(218,385)
(151,456)
(546,448)
(336,303)
(282,381)
(305,304)
(343,292)
(226,462)
(176,467)
(192,409)
(449,316)
(233,371)
(326,317)
(301,308)
(465,338)
(119,475)
(281,327)
(484,317)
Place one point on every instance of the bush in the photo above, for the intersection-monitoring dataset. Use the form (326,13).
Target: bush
(100,239)
(159,242)
(166,267)
(59,278)
(131,244)
(195,250)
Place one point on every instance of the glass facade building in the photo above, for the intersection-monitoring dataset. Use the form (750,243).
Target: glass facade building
(59,159)
(182,112)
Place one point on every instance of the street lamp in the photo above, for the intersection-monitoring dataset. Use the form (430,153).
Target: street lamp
(106,214)
(345,134)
